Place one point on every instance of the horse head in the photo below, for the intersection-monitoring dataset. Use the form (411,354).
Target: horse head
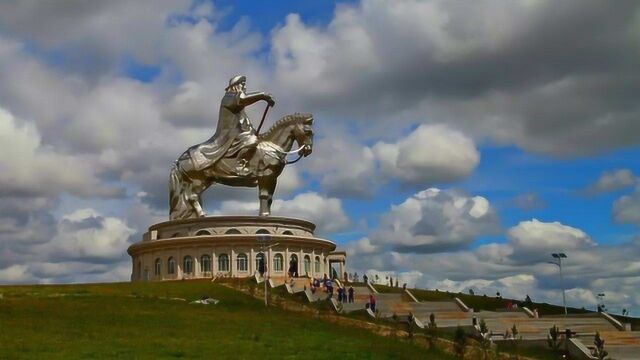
(289,129)
(303,133)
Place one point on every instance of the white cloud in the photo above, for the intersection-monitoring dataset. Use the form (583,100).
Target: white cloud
(114,115)
(345,167)
(535,239)
(440,61)
(362,246)
(29,167)
(85,234)
(15,274)
(95,36)
(529,201)
(612,180)
(626,209)
(326,213)
(430,154)
(435,220)
(81,245)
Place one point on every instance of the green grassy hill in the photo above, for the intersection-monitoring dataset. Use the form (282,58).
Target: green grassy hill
(124,320)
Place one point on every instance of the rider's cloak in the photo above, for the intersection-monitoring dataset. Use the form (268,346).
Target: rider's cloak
(234,132)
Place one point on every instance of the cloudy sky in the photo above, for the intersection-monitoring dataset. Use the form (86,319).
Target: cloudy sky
(458,144)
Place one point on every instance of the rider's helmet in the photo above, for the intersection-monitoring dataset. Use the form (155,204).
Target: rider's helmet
(235,81)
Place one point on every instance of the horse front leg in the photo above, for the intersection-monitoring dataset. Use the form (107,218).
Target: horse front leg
(266,187)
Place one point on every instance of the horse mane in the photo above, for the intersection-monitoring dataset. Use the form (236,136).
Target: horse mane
(284,121)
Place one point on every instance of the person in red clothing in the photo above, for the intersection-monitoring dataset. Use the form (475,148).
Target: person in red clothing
(372,303)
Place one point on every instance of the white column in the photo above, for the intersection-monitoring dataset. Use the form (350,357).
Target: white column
(251,265)
(286,260)
(301,263)
(196,263)
(232,262)
(179,265)
(214,261)
(268,262)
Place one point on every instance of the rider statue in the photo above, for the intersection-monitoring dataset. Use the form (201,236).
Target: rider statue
(236,155)
(235,135)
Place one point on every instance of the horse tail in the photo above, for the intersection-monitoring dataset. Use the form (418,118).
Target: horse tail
(175,189)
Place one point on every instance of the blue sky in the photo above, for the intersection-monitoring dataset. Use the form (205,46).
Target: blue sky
(456,146)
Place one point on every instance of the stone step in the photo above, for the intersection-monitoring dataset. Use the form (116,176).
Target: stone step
(531,328)
(621,337)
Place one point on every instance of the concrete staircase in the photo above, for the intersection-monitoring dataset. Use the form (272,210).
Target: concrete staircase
(537,329)
(276,281)
(297,284)
(449,314)
(389,304)
(360,299)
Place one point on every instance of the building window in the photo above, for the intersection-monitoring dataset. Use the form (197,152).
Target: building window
(139,270)
(223,262)
(307,264)
(263,231)
(293,265)
(287,232)
(241,261)
(232,231)
(277,262)
(171,266)
(187,265)
(205,263)
(158,268)
(203,233)
(260,263)
(175,235)
(317,265)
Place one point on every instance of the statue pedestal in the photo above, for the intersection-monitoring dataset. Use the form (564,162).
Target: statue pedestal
(231,246)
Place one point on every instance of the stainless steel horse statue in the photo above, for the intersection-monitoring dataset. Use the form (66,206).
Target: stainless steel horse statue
(259,166)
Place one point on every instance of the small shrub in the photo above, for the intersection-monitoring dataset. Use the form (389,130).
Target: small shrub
(485,341)
(395,319)
(432,331)
(553,338)
(410,326)
(459,342)
(599,350)
(516,341)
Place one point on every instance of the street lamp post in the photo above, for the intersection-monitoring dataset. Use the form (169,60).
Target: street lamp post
(263,239)
(559,257)
(601,307)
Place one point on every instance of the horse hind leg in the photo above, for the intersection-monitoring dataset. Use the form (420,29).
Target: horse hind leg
(196,204)
(184,202)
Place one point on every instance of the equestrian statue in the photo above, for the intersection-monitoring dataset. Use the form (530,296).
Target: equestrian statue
(237,154)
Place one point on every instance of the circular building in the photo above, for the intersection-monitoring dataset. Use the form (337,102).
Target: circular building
(233,246)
